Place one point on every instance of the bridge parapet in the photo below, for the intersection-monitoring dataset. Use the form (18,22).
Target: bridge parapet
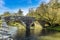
(25,19)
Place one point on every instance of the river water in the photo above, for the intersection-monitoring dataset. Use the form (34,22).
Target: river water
(40,35)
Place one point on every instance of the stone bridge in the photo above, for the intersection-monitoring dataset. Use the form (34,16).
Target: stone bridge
(24,19)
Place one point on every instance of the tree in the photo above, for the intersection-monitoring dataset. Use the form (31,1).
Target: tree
(31,12)
(20,12)
(6,14)
(47,12)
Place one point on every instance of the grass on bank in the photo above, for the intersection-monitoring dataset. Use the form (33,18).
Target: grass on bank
(54,28)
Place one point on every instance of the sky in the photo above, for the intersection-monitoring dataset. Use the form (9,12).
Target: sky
(14,5)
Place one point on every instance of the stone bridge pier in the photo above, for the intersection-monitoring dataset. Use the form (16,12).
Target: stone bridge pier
(28,24)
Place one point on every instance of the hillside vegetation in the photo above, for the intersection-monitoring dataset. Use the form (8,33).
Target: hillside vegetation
(49,12)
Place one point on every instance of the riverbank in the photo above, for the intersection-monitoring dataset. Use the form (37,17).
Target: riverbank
(54,36)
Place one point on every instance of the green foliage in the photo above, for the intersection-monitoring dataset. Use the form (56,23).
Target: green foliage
(0,22)
(6,14)
(20,12)
(48,12)
(54,28)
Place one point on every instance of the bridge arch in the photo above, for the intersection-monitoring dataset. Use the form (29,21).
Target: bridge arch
(26,21)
